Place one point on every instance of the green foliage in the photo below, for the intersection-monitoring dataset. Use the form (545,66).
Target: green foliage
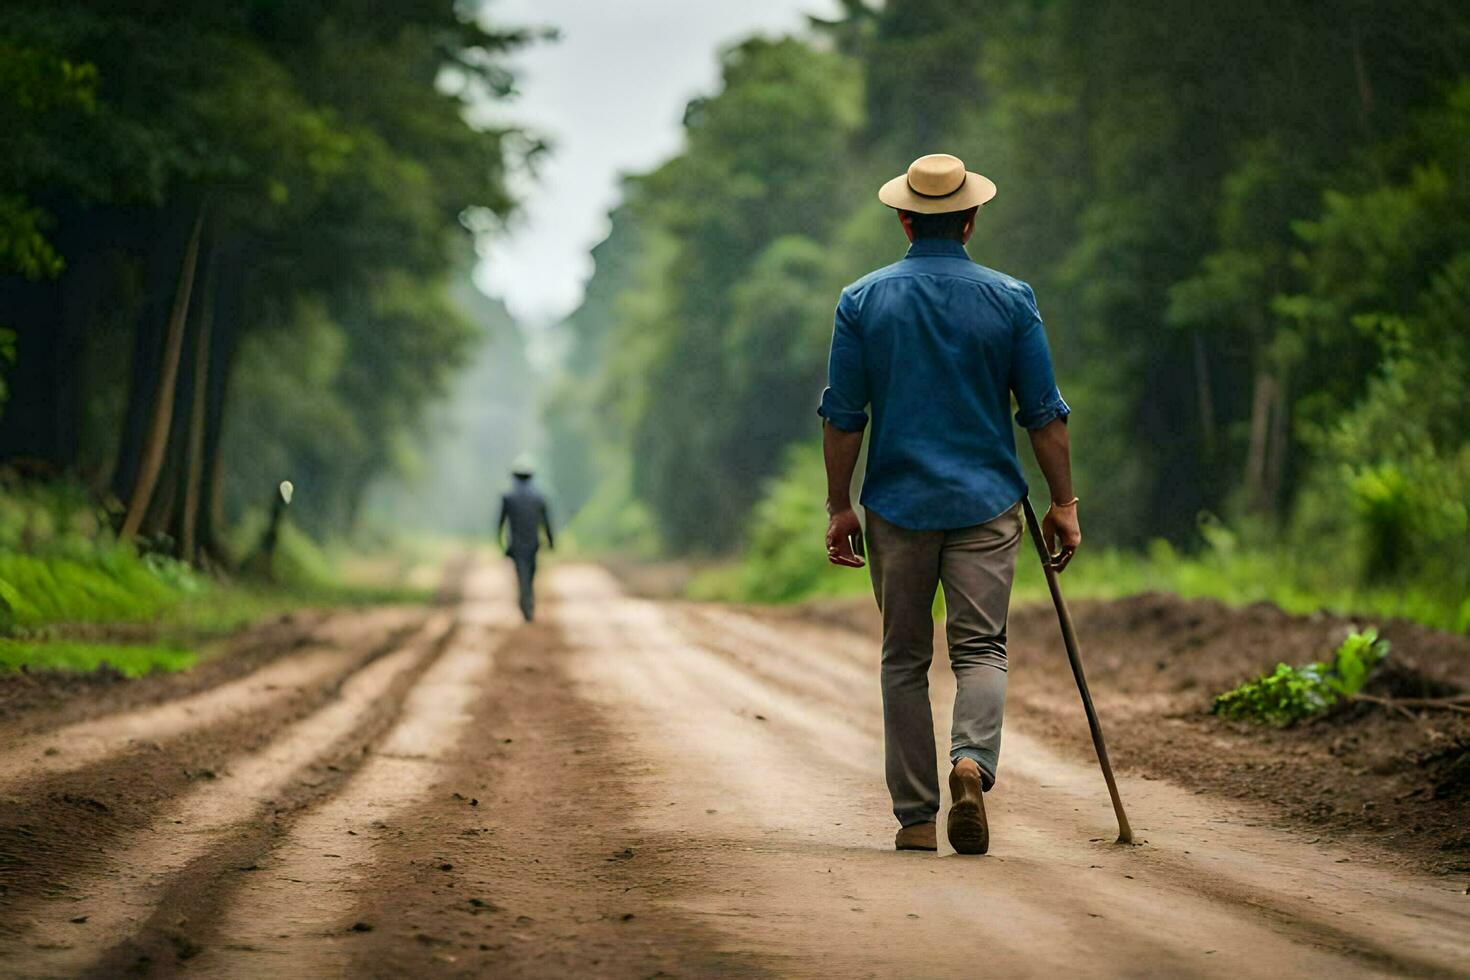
(1354,661)
(130,660)
(59,563)
(329,148)
(784,559)
(1286,695)
(727,301)
(60,566)
(1255,288)
(300,562)
(585,416)
(1290,694)
(36,86)
(613,520)
(23,244)
(790,565)
(117,585)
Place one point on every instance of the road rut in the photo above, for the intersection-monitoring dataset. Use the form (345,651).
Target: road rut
(633,788)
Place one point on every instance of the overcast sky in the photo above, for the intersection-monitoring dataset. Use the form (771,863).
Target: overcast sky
(609,95)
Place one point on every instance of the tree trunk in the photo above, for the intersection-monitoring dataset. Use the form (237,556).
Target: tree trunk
(1262,400)
(158,520)
(1365,87)
(164,249)
(213,550)
(228,289)
(1205,394)
(151,457)
(194,447)
(1280,441)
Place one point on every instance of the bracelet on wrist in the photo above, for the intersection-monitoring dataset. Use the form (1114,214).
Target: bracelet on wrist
(1069,503)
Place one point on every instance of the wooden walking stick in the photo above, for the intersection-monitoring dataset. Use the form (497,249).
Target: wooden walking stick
(1052,565)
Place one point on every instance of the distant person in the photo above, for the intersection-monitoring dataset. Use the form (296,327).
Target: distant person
(524,509)
(936,346)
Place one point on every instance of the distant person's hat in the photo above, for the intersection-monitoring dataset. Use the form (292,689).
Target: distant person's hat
(523,466)
(936,184)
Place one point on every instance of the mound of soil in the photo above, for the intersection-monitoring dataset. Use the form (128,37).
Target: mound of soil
(1397,778)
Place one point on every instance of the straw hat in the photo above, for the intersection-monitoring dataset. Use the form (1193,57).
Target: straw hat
(936,184)
(525,465)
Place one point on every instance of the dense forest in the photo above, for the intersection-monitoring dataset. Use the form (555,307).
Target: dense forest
(235,242)
(230,235)
(1248,227)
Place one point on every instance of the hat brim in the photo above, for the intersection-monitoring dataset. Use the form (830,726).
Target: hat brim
(975,191)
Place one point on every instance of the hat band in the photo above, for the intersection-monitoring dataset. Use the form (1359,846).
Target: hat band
(934,197)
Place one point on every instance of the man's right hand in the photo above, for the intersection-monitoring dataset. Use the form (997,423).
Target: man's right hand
(1061,533)
(840,530)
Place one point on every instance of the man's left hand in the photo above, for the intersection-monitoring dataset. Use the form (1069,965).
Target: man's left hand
(841,528)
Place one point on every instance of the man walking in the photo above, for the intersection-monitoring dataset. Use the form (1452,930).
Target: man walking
(935,346)
(524,509)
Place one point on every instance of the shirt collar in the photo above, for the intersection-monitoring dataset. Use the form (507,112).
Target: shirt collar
(937,246)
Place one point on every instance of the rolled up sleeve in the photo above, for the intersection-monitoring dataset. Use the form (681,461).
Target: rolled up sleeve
(1033,381)
(846,397)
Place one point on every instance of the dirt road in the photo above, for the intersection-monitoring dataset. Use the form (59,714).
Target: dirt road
(628,788)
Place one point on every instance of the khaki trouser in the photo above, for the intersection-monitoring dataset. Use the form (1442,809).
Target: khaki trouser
(975,566)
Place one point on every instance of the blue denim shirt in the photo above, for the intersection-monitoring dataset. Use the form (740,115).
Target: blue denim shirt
(936,345)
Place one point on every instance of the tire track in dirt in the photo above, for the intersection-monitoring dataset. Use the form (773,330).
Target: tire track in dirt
(549,875)
(473,840)
(1301,871)
(188,839)
(788,862)
(1208,895)
(796,658)
(96,740)
(296,911)
(634,788)
(60,827)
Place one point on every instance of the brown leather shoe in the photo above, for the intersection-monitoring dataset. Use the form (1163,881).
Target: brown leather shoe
(917,837)
(967,830)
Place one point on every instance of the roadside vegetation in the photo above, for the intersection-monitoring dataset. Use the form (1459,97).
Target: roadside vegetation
(784,562)
(1255,284)
(1289,694)
(127,659)
(75,596)
(235,245)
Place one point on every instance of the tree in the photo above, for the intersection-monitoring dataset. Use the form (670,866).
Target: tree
(330,141)
(1208,201)
(760,164)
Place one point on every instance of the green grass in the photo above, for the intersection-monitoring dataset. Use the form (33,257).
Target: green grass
(131,660)
(101,585)
(1233,576)
(63,575)
(783,562)
(1238,577)
(48,596)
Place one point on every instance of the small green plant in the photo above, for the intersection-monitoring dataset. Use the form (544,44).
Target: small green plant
(1289,694)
